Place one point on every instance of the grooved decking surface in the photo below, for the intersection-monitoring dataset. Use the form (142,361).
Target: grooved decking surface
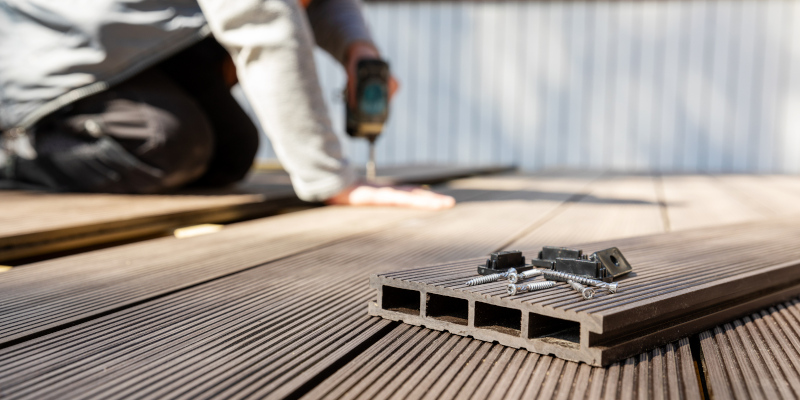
(34,223)
(276,307)
(420,363)
(757,356)
(708,268)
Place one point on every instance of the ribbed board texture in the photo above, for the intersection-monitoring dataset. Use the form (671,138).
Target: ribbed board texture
(413,362)
(755,357)
(264,331)
(693,259)
(271,308)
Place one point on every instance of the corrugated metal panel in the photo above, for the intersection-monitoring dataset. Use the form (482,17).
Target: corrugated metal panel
(630,85)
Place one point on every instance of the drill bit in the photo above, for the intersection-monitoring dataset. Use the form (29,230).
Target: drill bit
(371,161)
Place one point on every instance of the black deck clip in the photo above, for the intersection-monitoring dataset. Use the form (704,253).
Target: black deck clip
(501,261)
(605,265)
(612,260)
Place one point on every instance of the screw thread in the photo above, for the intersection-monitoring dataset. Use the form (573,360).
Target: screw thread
(529,287)
(580,279)
(483,279)
(490,278)
(575,285)
(514,278)
(586,292)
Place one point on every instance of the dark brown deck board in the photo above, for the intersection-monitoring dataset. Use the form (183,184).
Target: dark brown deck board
(448,367)
(250,334)
(35,223)
(335,274)
(700,211)
(709,268)
(755,356)
(45,295)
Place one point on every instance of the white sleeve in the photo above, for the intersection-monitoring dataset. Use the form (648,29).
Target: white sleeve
(271,44)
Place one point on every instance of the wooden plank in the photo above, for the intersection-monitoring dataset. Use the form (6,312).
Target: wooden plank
(258,332)
(265,331)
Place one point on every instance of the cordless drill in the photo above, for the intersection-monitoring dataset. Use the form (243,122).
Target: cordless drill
(366,117)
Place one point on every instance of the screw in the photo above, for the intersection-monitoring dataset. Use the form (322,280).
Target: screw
(490,278)
(611,287)
(513,289)
(514,278)
(586,292)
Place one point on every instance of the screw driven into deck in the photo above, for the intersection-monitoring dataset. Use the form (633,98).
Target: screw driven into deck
(586,292)
(513,289)
(491,278)
(514,277)
(563,276)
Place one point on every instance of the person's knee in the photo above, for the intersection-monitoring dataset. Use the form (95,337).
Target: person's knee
(143,136)
(164,129)
(181,147)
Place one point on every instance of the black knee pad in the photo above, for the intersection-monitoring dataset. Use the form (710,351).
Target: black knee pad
(162,127)
(144,136)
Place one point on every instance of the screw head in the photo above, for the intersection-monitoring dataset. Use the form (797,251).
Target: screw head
(513,278)
(613,287)
(587,293)
(511,289)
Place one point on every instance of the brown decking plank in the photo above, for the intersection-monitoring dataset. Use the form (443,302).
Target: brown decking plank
(526,375)
(35,223)
(713,362)
(65,290)
(418,241)
(754,357)
(48,348)
(696,201)
(38,223)
(770,198)
(756,256)
(613,207)
(433,173)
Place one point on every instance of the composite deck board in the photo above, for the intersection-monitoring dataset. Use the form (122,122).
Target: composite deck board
(31,216)
(612,207)
(34,223)
(302,311)
(696,201)
(755,357)
(709,270)
(691,202)
(414,362)
(45,295)
(762,193)
(275,327)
